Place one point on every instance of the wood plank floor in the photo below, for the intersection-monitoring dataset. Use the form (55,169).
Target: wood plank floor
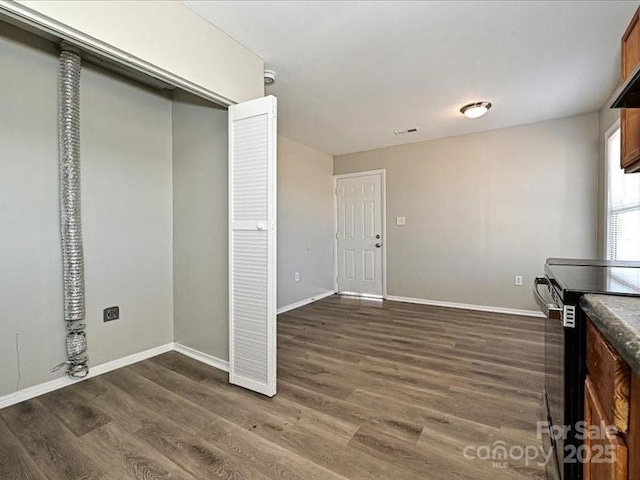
(366,390)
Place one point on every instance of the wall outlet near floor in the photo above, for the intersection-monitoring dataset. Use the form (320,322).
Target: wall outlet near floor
(401,220)
(111,313)
(517,281)
(296,277)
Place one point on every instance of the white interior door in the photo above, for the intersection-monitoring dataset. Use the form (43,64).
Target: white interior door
(252,245)
(359,234)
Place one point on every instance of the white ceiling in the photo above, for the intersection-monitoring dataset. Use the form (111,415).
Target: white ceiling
(349,73)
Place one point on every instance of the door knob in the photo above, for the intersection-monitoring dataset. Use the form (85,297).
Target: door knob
(378,245)
(378,236)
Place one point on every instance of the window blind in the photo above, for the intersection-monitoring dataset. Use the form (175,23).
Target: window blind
(623,206)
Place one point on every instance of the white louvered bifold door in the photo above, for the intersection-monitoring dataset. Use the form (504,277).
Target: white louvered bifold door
(252,245)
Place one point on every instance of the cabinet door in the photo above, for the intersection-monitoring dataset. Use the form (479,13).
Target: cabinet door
(633,437)
(609,374)
(630,118)
(605,454)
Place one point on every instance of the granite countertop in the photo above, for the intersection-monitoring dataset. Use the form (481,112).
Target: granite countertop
(618,318)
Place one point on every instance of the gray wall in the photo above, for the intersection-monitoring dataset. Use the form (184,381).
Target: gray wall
(126,193)
(200,226)
(485,207)
(155,231)
(305,222)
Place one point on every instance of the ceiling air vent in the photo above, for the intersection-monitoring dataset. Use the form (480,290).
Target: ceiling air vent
(397,133)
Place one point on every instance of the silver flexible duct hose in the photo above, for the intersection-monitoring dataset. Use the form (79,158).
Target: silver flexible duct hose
(70,215)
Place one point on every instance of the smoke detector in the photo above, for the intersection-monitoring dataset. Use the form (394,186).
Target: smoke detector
(269,77)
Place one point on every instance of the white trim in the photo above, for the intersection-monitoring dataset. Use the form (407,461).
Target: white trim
(605,242)
(384,232)
(380,171)
(305,301)
(43,24)
(383,182)
(41,389)
(202,357)
(366,296)
(466,306)
(335,235)
(37,390)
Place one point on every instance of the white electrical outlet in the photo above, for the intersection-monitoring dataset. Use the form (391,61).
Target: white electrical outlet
(400,220)
(296,277)
(517,281)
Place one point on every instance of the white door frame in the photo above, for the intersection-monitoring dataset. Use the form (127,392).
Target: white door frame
(383,176)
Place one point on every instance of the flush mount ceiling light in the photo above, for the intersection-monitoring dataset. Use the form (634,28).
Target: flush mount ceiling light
(475,110)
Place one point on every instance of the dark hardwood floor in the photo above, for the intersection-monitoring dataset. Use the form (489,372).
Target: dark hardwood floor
(366,390)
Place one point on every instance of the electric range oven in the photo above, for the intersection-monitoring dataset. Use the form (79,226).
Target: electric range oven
(558,295)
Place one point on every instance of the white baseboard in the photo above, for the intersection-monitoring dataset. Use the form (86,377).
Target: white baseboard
(202,357)
(466,306)
(37,390)
(304,302)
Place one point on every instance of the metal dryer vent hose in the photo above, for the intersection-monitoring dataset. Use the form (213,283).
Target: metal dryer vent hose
(70,212)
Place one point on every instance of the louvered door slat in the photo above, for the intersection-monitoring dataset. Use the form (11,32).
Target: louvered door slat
(252,248)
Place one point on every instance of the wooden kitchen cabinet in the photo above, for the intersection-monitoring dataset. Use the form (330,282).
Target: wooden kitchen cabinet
(630,117)
(633,436)
(606,454)
(610,377)
(612,398)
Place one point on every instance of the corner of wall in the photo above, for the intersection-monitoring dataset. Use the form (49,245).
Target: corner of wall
(305,223)
(173,273)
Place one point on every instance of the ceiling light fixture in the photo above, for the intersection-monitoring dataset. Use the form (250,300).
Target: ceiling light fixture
(475,110)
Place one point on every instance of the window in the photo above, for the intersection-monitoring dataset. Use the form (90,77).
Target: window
(623,205)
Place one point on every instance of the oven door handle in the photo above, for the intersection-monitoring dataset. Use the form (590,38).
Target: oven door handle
(550,310)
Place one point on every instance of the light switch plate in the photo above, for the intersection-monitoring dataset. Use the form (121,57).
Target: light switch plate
(400,220)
